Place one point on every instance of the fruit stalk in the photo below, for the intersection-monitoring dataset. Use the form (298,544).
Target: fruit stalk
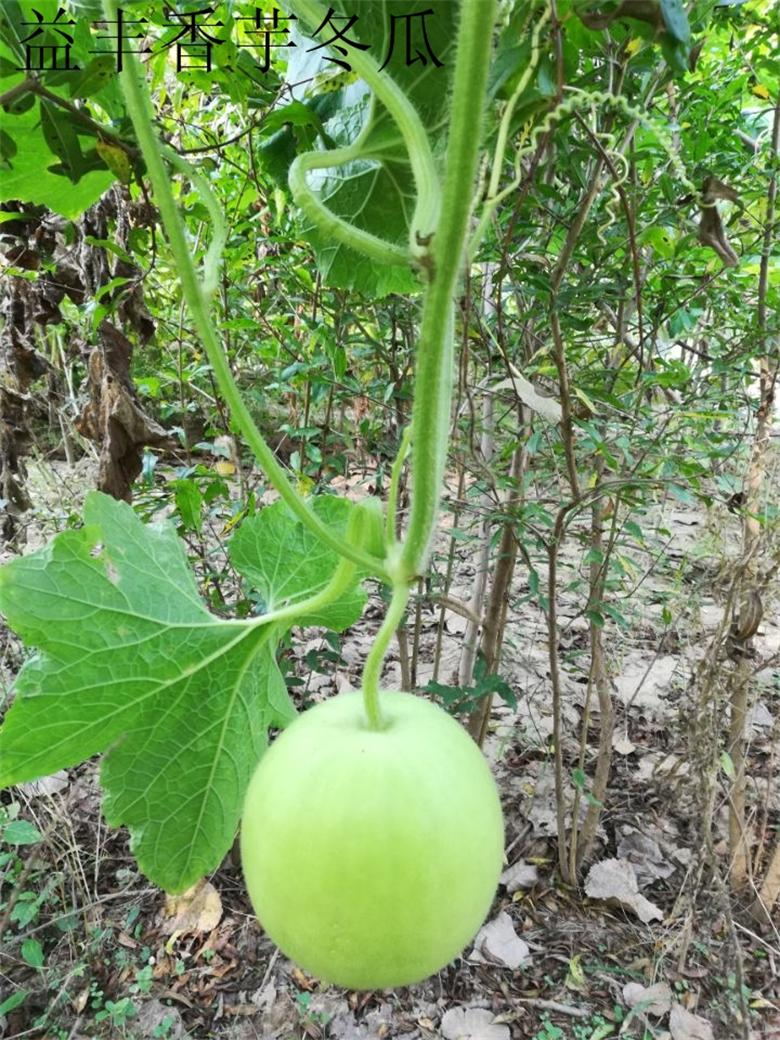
(377,653)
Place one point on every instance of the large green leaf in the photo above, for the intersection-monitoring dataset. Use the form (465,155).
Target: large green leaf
(48,166)
(131,663)
(26,176)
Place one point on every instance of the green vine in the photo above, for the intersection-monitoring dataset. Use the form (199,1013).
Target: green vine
(327,222)
(197,299)
(213,258)
(427,209)
(376,654)
(579,101)
(438,229)
(392,493)
(433,391)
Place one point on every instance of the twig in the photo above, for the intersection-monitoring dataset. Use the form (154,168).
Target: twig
(32,86)
(553,1005)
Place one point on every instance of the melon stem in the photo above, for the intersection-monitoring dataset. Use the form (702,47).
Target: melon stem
(376,654)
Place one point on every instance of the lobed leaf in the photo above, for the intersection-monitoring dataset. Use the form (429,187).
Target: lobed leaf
(131,663)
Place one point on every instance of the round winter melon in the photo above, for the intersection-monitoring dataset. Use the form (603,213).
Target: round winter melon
(372,856)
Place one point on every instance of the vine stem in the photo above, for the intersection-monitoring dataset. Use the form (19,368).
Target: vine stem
(139,108)
(360,529)
(446,220)
(433,378)
(428,204)
(327,222)
(579,101)
(210,268)
(492,196)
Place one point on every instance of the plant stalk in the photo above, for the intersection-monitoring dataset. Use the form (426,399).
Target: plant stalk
(433,392)
(376,654)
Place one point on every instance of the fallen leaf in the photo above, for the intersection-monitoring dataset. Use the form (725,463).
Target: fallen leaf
(46,784)
(199,909)
(683,1025)
(157,1019)
(614,879)
(693,973)
(645,856)
(461,1023)
(281,1019)
(373,1026)
(79,1002)
(454,624)
(498,942)
(519,875)
(575,976)
(622,744)
(759,717)
(302,981)
(541,814)
(325,1007)
(547,407)
(655,765)
(711,230)
(645,683)
(650,1000)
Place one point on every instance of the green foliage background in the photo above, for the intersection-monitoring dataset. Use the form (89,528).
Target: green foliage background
(607,293)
